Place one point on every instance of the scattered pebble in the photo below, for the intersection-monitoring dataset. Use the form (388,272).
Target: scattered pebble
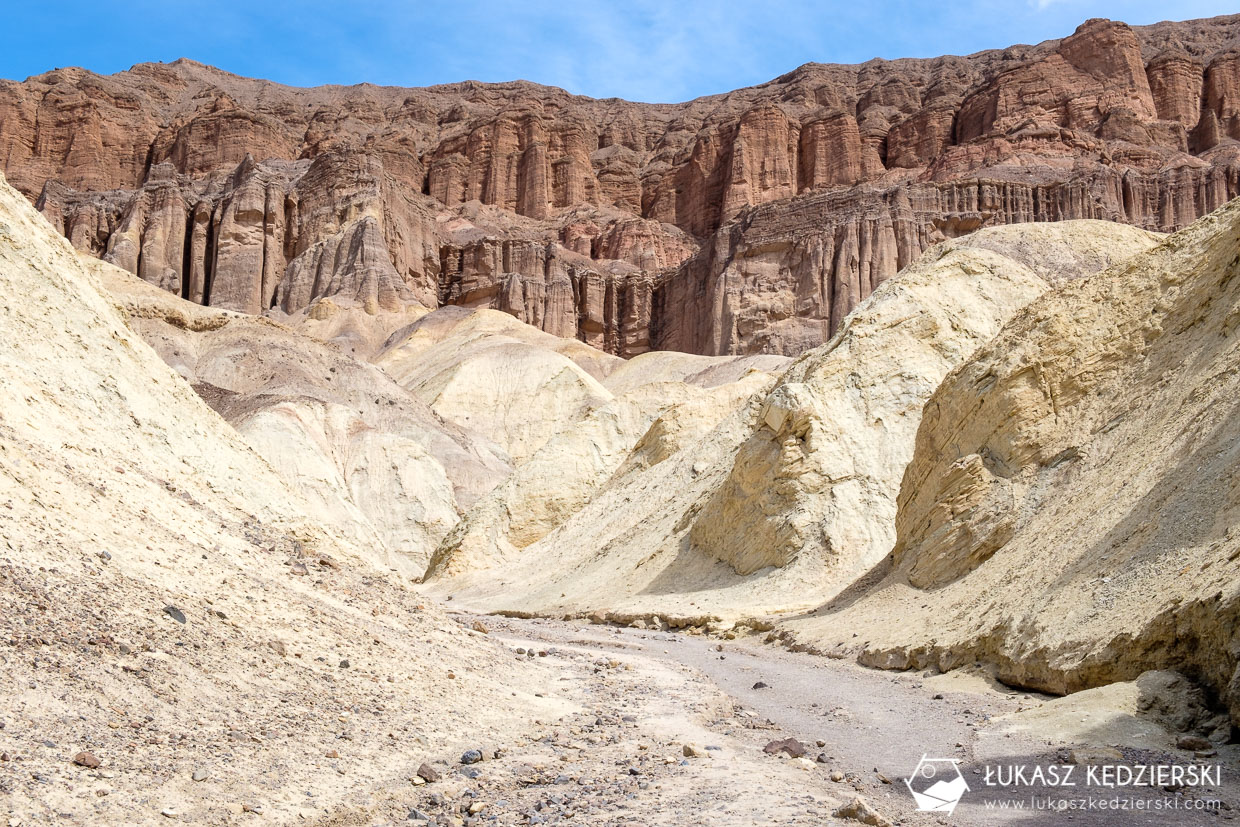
(790,746)
(87,759)
(1193,742)
(860,810)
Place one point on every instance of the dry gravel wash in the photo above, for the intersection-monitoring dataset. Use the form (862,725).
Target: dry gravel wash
(685,688)
(621,706)
(642,696)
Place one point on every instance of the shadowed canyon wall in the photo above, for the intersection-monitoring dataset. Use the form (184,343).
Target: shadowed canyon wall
(746,222)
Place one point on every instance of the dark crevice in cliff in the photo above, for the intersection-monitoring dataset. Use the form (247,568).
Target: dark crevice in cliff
(148,162)
(141,251)
(187,255)
(290,229)
(208,268)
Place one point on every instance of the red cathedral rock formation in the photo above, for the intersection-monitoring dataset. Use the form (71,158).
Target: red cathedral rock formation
(751,221)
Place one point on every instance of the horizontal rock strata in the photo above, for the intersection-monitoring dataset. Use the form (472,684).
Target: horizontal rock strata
(746,222)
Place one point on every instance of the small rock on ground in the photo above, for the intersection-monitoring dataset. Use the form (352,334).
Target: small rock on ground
(86,759)
(790,746)
(1193,742)
(859,810)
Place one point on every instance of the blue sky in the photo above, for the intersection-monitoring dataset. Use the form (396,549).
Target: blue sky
(641,49)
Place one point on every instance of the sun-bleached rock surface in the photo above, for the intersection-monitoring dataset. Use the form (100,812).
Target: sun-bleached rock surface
(1069,512)
(497,376)
(782,496)
(820,474)
(747,222)
(377,463)
(171,609)
(561,477)
(1150,712)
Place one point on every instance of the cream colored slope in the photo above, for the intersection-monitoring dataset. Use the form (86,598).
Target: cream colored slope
(489,372)
(820,475)
(559,479)
(791,496)
(688,368)
(348,325)
(462,325)
(691,392)
(1147,713)
(364,480)
(1072,512)
(76,382)
(622,551)
(373,460)
(122,493)
(1063,250)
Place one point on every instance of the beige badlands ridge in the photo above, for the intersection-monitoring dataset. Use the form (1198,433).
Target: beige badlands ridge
(779,500)
(121,494)
(229,543)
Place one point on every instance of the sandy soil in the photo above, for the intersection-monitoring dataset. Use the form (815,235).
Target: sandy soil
(638,697)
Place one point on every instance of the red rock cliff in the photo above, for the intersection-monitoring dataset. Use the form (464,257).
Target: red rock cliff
(744,222)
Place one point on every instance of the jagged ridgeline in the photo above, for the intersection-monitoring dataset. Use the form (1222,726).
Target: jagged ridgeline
(752,221)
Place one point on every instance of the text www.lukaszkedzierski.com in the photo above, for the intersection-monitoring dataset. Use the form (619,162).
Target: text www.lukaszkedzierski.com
(1103,803)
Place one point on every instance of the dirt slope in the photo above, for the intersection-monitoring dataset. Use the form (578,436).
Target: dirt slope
(378,464)
(168,604)
(1070,513)
(777,500)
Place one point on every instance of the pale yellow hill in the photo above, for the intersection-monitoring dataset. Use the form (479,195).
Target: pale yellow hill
(375,462)
(1071,514)
(491,373)
(774,500)
(167,603)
